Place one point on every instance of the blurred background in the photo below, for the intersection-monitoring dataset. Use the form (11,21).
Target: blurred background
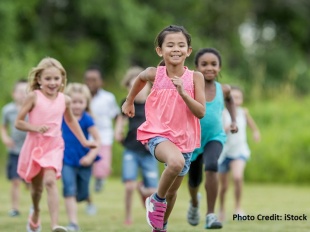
(264,46)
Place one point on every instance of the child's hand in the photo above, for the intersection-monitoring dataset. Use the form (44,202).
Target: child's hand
(8,142)
(42,129)
(86,161)
(178,83)
(256,136)
(128,109)
(233,128)
(90,144)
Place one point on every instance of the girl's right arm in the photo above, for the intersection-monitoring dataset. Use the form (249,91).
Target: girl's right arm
(145,76)
(21,123)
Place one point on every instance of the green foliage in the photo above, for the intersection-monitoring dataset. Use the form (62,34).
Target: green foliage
(283,153)
(117,34)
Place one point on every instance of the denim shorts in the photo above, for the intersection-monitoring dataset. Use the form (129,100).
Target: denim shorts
(153,142)
(11,166)
(133,161)
(223,167)
(76,182)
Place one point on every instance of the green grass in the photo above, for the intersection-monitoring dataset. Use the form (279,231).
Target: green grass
(266,199)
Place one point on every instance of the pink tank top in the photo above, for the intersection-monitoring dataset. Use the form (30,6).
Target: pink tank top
(168,116)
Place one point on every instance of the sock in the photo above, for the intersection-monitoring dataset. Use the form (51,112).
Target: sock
(157,198)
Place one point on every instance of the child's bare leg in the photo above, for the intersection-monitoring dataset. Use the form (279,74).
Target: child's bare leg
(15,189)
(71,208)
(237,168)
(130,186)
(36,193)
(172,196)
(168,153)
(49,182)
(223,177)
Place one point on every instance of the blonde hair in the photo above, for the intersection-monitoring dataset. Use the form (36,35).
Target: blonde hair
(82,89)
(35,73)
(131,74)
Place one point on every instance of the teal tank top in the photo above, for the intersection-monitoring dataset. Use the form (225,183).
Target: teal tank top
(212,123)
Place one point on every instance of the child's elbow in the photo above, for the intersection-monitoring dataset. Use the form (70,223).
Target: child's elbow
(201,113)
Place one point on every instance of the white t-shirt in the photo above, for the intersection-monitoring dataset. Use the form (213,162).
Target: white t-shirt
(236,144)
(104,108)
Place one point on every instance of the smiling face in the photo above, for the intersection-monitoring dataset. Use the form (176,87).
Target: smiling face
(50,81)
(174,49)
(209,66)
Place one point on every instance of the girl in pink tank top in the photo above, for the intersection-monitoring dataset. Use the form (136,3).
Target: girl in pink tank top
(40,160)
(173,109)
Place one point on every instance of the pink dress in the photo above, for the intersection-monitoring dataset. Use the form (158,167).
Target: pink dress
(43,150)
(168,116)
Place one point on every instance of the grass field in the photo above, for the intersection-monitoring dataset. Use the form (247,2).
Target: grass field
(265,199)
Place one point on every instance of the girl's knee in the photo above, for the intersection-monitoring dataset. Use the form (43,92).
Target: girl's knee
(49,182)
(176,166)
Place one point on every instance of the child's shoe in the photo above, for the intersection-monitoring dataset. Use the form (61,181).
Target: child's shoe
(212,222)
(193,215)
(91,209)
(155,212)
(162,230)
(14,213)
(73,227)
(59,229)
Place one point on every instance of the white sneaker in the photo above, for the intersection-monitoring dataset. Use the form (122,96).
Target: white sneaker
(91,209)
(212,222)
(193,214)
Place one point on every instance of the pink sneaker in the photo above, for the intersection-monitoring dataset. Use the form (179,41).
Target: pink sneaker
(155,212)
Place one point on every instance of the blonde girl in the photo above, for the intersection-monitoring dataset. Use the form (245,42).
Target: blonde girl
(40,161)
(78,160)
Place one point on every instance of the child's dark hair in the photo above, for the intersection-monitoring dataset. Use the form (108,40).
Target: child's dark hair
(95,68)
(208,50)
(172,29)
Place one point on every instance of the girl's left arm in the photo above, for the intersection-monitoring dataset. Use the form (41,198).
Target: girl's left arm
(75,127)
(89,158)
(252,125)
(230,105)
(197,105)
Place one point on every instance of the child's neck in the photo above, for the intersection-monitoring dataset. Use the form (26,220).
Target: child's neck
(78,116)
(173,71)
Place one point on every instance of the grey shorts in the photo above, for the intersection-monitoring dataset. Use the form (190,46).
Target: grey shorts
(153,142)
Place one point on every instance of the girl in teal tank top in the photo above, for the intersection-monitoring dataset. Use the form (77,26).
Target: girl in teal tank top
(208,62)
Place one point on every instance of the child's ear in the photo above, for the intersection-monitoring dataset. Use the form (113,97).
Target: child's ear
(189,51)
(159,52)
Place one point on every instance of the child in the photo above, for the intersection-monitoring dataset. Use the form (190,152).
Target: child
(105,109)
(13,139)
(236,152)
(172,110)
(209,62)
(40,160)
(135,155)
(78,160)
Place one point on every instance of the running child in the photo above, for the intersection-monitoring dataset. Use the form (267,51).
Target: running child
(208,61)
(136,155)
(13,139)
(78,160)
(236,152)
(172,111)
(40,160)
